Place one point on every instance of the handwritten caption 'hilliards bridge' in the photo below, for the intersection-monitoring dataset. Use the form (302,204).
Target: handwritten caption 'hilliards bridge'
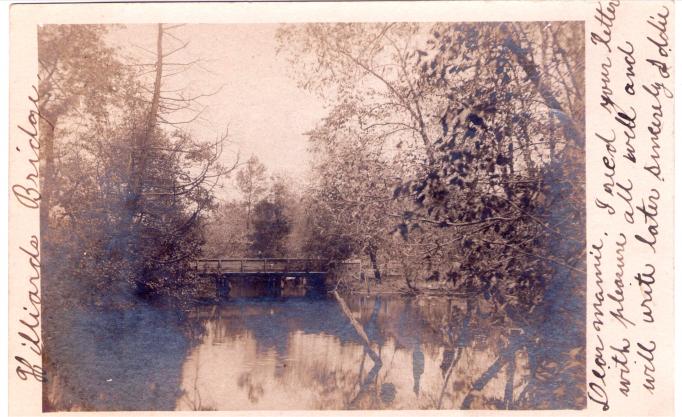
(27,195)
(631,148)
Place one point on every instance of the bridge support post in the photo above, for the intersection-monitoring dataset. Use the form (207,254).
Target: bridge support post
(222,286)
(274,286)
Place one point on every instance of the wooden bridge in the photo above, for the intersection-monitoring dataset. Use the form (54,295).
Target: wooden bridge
(275,271)
(274,267)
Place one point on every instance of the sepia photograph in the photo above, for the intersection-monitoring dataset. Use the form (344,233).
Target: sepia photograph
(312,216)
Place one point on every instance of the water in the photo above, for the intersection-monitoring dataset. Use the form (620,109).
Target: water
(294,353)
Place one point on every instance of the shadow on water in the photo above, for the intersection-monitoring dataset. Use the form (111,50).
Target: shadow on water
(117,360)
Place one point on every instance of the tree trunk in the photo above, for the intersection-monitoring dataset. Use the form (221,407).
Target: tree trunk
(138,162)
(407,272)
(375,266)
(141,142)
(571,131)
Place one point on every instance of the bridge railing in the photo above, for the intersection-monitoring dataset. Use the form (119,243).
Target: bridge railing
(274,265)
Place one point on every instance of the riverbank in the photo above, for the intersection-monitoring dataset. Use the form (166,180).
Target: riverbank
(394,285)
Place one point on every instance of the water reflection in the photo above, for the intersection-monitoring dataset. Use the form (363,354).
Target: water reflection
(306,354)
(354,352)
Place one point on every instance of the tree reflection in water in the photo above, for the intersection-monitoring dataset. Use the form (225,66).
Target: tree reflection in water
(358,352)
(350,352)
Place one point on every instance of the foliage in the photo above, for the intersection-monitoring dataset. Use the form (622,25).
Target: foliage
(270,229)
(266,221)
(251,181)
(497,178)
(464,139)
(127,189)
(457,150)
(225,231)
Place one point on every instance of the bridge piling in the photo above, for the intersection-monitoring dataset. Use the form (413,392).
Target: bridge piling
(273,272)
(223,286)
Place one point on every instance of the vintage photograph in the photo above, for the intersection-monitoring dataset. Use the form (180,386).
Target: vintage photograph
(312,216)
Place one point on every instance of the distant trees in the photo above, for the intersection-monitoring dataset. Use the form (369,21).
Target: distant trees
(225,231)
(271,223)
(229,230)
(261,222)
(251,181)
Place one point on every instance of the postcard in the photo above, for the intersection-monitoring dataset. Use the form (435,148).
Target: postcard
(425,208)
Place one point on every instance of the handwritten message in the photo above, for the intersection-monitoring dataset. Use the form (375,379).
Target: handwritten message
(631,143)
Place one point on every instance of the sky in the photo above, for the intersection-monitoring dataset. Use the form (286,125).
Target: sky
(258,101)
